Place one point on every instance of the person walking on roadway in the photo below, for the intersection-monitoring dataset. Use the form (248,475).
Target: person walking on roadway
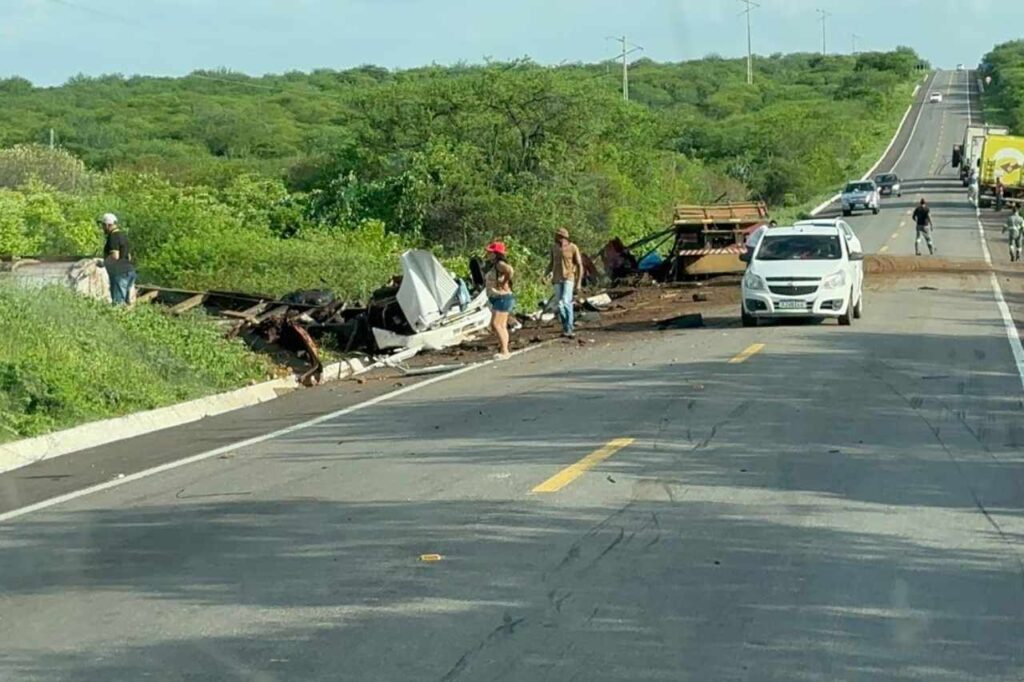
(1015,226)
(566,271)
(923,221)
(972,189)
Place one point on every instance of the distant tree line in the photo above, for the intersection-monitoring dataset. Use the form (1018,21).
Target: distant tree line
(227,180)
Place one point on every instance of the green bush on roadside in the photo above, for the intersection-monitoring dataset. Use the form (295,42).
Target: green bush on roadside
(65,360)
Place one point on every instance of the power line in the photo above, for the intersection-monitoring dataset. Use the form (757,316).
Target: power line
(235,82)
(751,6)
(627,49)
(97,12)
(824,21)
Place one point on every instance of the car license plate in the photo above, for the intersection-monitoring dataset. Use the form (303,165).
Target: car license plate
(791,305)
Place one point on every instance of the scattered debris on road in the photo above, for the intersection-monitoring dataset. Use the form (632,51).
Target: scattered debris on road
(428,315)
(693,321)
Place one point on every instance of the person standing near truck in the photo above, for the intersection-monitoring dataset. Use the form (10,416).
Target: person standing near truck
(1000,194)
(117,259)
(923,221)
(566,271)
(1015,226)
(498,281)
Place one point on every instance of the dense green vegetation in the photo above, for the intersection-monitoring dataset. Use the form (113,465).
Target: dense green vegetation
(304,180)
(66,359)
(286,181)
(1003,98)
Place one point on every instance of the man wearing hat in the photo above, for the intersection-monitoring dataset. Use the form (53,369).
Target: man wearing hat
(566,271)
(117,259)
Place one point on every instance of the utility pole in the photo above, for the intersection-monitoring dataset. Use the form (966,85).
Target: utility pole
(853,43)
(751,6)
(824,21)
(627,49)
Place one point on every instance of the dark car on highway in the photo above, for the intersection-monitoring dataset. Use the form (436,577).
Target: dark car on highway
(889,184)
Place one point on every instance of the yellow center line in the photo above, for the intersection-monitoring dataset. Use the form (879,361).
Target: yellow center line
(894,235)
(884,249)
(747,354)
(574,471)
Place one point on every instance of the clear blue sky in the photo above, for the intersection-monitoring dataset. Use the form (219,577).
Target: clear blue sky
(48,41)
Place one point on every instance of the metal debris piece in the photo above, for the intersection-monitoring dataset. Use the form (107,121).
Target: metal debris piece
(598,302)
(434,306)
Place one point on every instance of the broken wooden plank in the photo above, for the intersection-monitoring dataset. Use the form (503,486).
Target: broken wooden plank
(188,304)
(147,297)
(238,315)
(276,312)
(256,309)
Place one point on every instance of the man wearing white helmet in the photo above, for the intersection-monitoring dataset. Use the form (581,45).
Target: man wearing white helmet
(117,258)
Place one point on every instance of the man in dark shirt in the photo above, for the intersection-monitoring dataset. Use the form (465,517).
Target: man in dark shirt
(117,259)
(923,220)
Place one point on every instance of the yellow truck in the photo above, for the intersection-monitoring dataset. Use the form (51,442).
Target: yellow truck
(1002,159)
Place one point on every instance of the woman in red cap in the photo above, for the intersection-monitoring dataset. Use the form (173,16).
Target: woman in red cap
(499,291)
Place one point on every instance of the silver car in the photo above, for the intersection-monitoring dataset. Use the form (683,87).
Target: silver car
(861,194)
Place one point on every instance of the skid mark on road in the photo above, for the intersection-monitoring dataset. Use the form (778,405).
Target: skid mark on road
(574,471)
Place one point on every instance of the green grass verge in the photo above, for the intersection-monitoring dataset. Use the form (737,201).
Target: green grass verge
(66,360)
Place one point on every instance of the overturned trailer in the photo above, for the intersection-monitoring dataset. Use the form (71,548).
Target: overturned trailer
(705,240)
(711,239)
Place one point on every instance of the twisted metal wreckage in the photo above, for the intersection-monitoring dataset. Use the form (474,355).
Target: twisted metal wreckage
(426,307)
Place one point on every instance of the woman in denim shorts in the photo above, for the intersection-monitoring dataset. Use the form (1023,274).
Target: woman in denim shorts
(499,292)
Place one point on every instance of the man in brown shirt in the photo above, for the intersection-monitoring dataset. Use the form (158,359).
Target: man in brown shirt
(566,271)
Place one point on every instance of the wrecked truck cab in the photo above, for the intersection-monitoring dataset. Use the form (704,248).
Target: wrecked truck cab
(436,311)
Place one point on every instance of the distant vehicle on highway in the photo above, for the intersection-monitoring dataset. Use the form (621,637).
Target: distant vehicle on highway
(935,97)
(860,194)
(803,271)
(967,154)
(889,184)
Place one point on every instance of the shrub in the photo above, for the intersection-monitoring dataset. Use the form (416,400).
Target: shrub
(66,359)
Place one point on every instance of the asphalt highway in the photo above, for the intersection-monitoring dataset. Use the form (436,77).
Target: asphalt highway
(790,502)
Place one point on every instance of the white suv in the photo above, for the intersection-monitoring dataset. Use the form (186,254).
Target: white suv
(804,271)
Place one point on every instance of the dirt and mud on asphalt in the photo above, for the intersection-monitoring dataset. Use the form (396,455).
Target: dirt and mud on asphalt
(902,266)
(633,312)
(648,309)
(652,309)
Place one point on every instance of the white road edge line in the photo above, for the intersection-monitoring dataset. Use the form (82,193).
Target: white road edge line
(913,130)
(169,466)
(831,200)
(1012,335)
(970,115)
